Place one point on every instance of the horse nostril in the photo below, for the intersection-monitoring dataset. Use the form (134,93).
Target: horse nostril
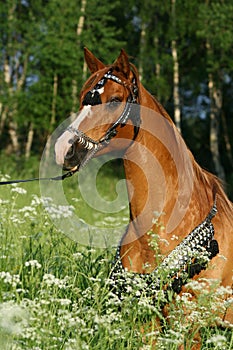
(70,152)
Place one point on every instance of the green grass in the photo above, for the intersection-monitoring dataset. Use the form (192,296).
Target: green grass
(55,293)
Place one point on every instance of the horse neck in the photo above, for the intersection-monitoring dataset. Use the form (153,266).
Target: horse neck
(161,178)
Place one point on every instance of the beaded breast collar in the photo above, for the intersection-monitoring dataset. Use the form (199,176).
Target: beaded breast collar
(189,257)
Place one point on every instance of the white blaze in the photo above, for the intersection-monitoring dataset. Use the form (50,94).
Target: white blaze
(62,145)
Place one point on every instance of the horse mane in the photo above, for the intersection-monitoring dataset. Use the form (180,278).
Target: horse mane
(209,181)
(212,182)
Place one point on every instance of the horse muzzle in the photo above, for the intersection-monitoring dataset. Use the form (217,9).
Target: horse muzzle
(74,148)
(75,156)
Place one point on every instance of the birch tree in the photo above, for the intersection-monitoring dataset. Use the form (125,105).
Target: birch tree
(217,33)
(176,78)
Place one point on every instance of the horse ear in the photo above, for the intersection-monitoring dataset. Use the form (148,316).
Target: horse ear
(122,63)
(92,62)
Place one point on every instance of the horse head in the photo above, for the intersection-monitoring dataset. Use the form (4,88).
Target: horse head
(108,109)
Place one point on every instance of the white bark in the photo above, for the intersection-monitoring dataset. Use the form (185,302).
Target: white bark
(176,95)
(53,118)
(176,77)
(142,49)
(29,141)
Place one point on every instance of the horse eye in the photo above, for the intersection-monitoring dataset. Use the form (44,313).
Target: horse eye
(114,102)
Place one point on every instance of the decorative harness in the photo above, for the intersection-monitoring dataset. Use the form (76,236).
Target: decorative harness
(188,259)
(194,252)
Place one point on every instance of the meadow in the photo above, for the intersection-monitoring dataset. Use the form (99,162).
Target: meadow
(56,294)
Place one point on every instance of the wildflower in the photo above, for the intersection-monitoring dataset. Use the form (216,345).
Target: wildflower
(14,280)
(75,199)
(218,340)
(19,190)
(33,263)
(77,255)
(91,250)
(27,208)
(50,280)
(5,177)
(4,201)
(36,200)
(64,302)
(3,256)
(16,220)
(23,237)
(60,211)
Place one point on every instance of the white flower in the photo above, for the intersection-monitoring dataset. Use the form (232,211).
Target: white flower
(33,263)
(218,340)
(14,280)
(64,301)
(75,199)
(16,220)
(36,200)
(51,280)
(77,255)
(60,211)
(19,190)
(4,201)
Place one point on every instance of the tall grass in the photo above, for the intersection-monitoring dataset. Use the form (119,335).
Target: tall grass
(56,294)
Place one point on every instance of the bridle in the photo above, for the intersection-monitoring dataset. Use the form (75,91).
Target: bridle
(130,112)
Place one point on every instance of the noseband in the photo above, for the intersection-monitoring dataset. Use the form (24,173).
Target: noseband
(131,111)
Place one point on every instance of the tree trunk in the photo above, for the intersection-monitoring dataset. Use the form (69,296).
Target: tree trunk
(215,112)
(227,139)
(81,18)
(79,32)
(157,66)
(3,113)
(9,110)
(29,141)
(12,125)
(176,77)
(142,49)
(13,132)
(176,95)
(53,118)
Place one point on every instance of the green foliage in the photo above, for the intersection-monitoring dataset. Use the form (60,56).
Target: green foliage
(217,32)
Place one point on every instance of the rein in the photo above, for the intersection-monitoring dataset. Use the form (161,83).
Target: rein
(55,178)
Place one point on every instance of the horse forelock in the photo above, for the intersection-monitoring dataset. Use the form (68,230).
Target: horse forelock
(99,75)
(94,79)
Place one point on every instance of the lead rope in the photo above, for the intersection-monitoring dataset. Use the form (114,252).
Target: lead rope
(55,178)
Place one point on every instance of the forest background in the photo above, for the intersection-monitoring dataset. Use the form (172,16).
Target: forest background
(183,50)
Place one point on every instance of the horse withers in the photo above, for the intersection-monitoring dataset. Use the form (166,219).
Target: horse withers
(162,176)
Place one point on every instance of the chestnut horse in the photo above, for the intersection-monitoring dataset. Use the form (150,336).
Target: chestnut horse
(118,113)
